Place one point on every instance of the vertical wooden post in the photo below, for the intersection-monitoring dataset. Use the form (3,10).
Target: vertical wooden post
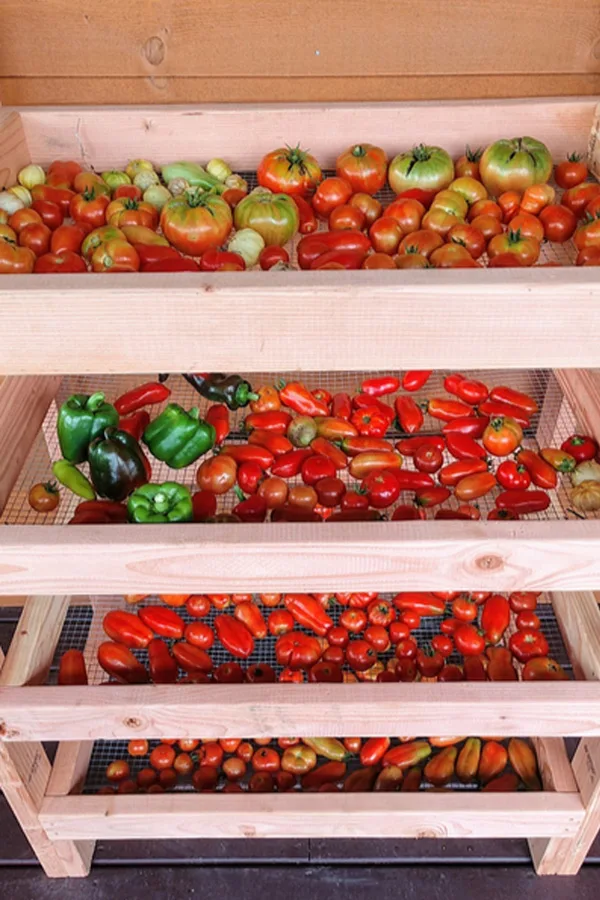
(25,768)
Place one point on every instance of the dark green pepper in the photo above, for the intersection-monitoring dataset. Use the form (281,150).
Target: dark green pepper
(179,438)
(80,420)
(159,503)
(116,464)
(232,390)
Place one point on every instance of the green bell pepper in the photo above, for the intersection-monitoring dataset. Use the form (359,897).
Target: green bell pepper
(179,438)
(70,476)
(80,420)
(116,464)
(156,503)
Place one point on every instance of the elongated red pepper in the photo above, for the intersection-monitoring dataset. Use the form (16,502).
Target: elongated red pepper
(462,446)
(217,415)
(410,416)
(472,426)
(339,259)
(251,616)
(451,382)
(277,444)
(250,453)
(409,446)
(126,628)
(136,424)
(341,406)
(163,621)
(145,395)
(274,420)
(109,509)
(155,253)
(163,668)
(542,473)
(234,636)
(363,401)
(422,602)
(416,379)
(495,617)
(326,448)
(251,509)
(184,264)
(352,446)
(523,502)
(296,396)
(307,611)
(313,246)
(515,398)
(72,668)
(288,465)
(308,219)
(495,408)
(446,410)
(379,387)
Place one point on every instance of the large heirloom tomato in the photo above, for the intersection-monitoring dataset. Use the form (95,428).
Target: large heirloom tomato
(514,165)
(196,221)
(289,170)
(427,168)
(364,167)
(274,216)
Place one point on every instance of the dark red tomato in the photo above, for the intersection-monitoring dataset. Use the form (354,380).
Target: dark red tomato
(338,636)
(360,655)
(271,255)
(385,235)
(406,669)
(51,213)
(559,223)
(464,609)
(571,172)
(36,237)
(326,671)
(451,673)
(354,500)
(468,640)
(527,644)
(249,477)
(316,467)
(330,491)
(60,263)
(330,193)
(398,631)
(521,601)
(381,612)
(443,644)
(528,621)
(429,665)
(383,489)
(428,458)
(411,619)
(378,637)
(581,447)
(406,648)
(354,620)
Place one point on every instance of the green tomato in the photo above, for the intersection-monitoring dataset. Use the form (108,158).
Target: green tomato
(114,178)
(274,216)
(423,167)
(514,165)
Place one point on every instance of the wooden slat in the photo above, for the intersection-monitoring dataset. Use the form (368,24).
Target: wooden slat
(415,319)
(30,654)
(52,90)
(109,136)
(81,713)
(23,404)
(14,153)
(579,621)
(333,37)
(505,556)
(549,854)
(581,388)
(438,815)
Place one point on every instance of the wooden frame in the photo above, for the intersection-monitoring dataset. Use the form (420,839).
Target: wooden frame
(296,316)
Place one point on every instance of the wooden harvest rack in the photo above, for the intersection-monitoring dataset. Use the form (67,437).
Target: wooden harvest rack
(347,322)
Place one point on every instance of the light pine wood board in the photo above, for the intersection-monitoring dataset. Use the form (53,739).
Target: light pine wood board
(545,709)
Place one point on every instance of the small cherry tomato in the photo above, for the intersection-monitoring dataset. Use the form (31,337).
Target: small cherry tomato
(527,620)
(443,644)
(406,649)
(44,497)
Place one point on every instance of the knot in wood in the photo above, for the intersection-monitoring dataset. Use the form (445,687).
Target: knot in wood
(154,50)
(132,722)
(248,830)
(7,733)
(489,562)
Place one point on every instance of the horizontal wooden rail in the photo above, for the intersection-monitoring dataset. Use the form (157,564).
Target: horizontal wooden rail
(505,556)
(300,321)
(544,709)
(434,815)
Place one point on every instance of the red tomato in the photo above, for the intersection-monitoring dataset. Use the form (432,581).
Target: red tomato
(377,637)
(36,237)
(525,645)
(443,644)
(383,489)
(369,206)
(360,655)
(452,256)
(346,218)
(289,170)
(559,223)
(68,237)
(527,621)
(577,198)
(364,167)
(527,249)
(470,237)
(464,609)
(422,241)
(468,164)
(529,226)
(332,192)
(385,235)
(428,458)
(407,212)
(484,208)
(353,619)
(380,261)
(51,213)
(489,226)
(571,172)
(511,476)
(468,640)
(316,467)
(196,221)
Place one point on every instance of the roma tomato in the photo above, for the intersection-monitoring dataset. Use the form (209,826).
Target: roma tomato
(274,216)
(364,167)
(331,192)
(514,165)
(526,249)
(571,172)
(385,235)
(346,218)
(196,221)
(502,436)
(559,223)
(289,170)
(475,486)
(425,167)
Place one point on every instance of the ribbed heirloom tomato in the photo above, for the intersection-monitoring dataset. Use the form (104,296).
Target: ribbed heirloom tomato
(289,170)
(515,164)
(424,167)
(196,221)
(274,216)
(364,167)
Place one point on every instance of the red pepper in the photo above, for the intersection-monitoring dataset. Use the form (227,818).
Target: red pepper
(504,394)
(296,396)
(113,511)
(378,387)
(513,477)
(217,415)
(409,446)
(154,253)
(277,444)
(523,502)
(422,602)
(250,453)
(252,509)
(542,473)
(415,380)
(323,396)
(163,621)
(145,395)
(405,513)
(472,426)
(136,424)
(204,504)
(370,422)
(495,618)
(184,264)
(581,447)
(221,261)
(446,410)
(362,401)
(410,416)
(289,465)
(496,409)
(163,668)
(234,636)
(461,446)
(274,420)
(451,382)
(308,612)
(341,406)
(251,616)
(313,246)
(308,219)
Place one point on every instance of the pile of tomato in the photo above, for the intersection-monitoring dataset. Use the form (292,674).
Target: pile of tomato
(339,637)
(265,765)
(445,213)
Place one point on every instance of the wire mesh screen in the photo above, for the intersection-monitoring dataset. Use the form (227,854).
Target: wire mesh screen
(549,427)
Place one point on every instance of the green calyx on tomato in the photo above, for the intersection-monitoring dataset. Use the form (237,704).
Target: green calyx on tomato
(289,170)
(274,216)
(425,167)
(515,164)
